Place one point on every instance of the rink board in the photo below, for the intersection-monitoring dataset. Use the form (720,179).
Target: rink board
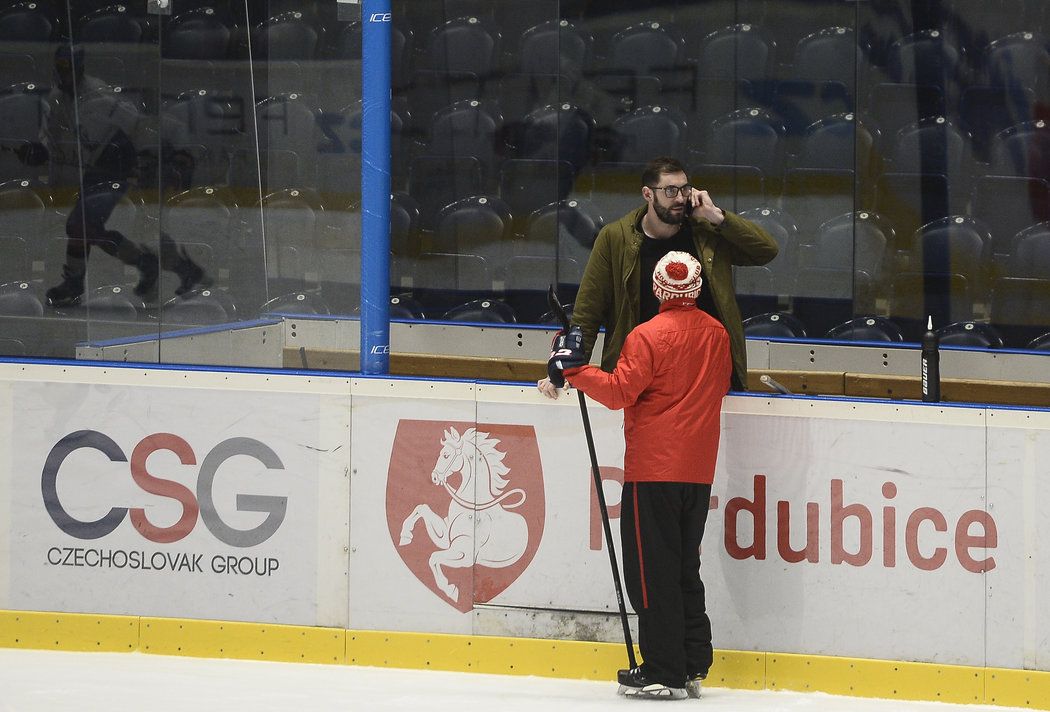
(154,493)
(839,529)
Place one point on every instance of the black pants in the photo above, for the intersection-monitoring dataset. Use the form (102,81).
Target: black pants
(661,525)
(86,227)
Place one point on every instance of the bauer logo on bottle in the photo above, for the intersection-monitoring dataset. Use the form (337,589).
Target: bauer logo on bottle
(465,506)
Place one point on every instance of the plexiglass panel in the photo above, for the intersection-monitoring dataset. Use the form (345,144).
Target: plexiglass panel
(193,163)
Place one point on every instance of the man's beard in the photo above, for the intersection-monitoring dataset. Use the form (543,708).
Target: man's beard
(666,215)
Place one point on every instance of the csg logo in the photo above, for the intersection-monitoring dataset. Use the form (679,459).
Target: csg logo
(203,504)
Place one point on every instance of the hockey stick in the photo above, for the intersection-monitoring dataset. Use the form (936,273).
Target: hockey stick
(767,380)
(559,311)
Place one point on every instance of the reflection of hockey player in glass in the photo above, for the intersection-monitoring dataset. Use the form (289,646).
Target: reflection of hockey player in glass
(87,130)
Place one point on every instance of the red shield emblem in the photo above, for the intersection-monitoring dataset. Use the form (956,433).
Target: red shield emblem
(465,506)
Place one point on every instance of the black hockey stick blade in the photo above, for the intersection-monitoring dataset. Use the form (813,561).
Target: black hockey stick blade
(556,307)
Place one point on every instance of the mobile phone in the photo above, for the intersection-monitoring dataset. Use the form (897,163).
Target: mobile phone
(689,207)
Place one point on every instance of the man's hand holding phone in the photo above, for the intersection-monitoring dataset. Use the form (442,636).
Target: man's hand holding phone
(700,205)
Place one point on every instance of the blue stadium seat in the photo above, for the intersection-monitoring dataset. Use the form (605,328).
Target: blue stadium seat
(646,48)
(479,225)
(952,245)
(1022,150)
(468,128)
(20,299)
(289,36)
(109,25)
(403,306)
(199,308)
(841,269)
(26,22)
(646,132)
(553,47)
(484,311)
(22,107)
(925,57)
(12,347)
(758,288)
(296,303)
(740,51)
(1030,254)
(566,229)
(866,328)
(107,303)
(970,333)
(829,54)
(561,132)
(199,34)
(463,44)
(774,325)
(1040,343)
(839,142)
(1020,61)
(747,137)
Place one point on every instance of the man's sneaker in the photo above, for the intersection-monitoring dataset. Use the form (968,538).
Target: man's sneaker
(634,683)
(693,685)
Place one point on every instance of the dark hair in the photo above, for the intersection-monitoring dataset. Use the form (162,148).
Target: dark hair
(662,165)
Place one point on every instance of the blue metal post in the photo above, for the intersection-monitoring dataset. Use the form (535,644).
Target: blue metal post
(375,187)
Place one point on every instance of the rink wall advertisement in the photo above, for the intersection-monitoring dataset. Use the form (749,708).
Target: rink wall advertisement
(180,502)
(842,528)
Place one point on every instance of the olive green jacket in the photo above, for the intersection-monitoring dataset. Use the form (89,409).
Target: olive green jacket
(609,291)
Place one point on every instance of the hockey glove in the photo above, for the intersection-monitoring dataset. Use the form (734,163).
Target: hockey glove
(566,352)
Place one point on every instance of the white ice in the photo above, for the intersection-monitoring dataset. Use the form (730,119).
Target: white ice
(50,681)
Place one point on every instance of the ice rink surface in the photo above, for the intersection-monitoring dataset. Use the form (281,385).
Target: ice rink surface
(49,681)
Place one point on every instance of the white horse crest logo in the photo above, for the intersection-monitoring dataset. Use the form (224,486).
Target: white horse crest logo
(478,528)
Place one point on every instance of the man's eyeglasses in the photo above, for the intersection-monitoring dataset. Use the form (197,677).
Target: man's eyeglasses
(671,191)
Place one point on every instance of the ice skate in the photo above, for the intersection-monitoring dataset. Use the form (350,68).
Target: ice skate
(69,291)
(634,683)
(191,275)
(694,684)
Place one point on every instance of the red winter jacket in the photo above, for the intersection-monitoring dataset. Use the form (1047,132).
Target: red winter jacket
(671,377)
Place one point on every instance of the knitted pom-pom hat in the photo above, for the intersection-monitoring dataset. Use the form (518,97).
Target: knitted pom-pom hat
(677,275)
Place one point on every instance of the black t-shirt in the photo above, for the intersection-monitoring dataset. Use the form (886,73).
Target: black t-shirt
(651,252)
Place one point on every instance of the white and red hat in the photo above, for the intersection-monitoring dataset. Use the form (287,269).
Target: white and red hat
(677,275)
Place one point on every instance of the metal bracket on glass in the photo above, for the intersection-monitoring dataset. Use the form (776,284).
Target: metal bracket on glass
(348,10)
(158,7)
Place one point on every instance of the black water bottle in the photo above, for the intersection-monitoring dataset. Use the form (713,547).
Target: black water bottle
(931,370)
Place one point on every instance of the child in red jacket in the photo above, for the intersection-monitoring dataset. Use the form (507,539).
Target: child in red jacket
(670,379)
